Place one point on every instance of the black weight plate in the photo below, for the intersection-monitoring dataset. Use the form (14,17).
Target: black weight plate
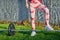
(11,29)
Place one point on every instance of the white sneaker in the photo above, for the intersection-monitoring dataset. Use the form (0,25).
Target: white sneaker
(48,27)
(33,33)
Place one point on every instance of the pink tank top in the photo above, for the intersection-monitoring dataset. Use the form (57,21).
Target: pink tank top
(34,0)
(40,1)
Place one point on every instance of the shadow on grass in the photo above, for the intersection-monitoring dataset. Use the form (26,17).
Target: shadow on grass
(25,35)
(25,32)
(4,33)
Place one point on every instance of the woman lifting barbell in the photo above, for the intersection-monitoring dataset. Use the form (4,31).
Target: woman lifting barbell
(37,4)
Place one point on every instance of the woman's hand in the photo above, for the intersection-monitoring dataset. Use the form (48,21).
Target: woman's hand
(27,5)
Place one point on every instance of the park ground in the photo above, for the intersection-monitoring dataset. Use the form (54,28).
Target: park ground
(26,35)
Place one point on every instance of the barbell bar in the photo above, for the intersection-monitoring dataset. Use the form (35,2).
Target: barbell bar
(11,30)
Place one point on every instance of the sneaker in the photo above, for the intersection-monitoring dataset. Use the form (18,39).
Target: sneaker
(33,33)
(48,27)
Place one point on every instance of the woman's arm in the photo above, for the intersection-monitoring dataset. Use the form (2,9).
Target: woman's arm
(27,4)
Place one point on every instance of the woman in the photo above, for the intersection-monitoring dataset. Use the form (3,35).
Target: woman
(37,4)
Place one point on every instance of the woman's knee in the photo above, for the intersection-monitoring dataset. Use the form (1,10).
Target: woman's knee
(45,9)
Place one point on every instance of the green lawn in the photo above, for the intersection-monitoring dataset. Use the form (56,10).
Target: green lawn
(26,35)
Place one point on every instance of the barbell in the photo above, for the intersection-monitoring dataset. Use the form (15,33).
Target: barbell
(11,30)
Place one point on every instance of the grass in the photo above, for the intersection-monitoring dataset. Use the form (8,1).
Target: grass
(26,35)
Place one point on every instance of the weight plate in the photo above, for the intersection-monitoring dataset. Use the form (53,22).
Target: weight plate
(11,29)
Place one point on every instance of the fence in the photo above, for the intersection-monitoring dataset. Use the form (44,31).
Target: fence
(15,10)
(54,8)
